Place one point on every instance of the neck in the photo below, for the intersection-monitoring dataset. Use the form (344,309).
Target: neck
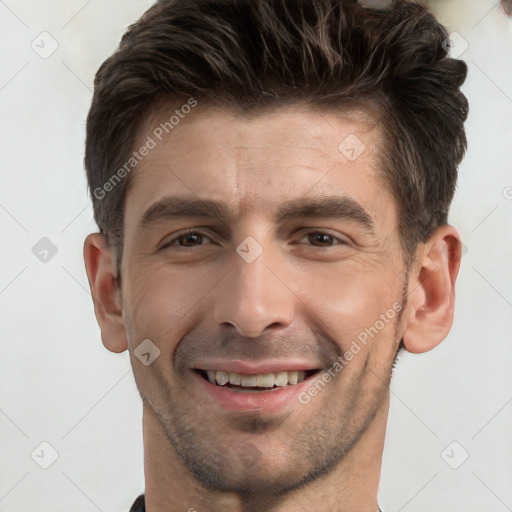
(352,485)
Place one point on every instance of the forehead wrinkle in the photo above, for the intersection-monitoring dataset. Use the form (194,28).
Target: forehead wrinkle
(248,203)
(303,149)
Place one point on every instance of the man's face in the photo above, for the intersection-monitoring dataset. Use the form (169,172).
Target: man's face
(263,293)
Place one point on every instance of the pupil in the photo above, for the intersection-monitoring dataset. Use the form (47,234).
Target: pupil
(322,237)
(189,237)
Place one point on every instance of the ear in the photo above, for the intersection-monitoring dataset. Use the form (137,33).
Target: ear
(431,300)
(100,265)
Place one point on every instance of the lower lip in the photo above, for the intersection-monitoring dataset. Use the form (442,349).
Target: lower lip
(273,400)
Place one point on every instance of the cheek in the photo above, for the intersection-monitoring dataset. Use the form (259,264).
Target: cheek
(159,303)
(346,299)
(350,299)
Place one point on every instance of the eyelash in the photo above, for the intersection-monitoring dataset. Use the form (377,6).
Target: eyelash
(192,232)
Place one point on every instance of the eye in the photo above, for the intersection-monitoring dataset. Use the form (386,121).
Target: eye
(192,239)
(324,237)
(189,236)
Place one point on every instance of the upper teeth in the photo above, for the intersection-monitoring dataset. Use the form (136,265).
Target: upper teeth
(263,380)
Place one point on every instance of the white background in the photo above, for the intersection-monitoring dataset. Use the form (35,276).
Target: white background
(59,385)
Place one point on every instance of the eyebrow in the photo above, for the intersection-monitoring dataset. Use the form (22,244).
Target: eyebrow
(334,207)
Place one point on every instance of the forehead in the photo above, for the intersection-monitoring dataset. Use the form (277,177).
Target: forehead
(254,162)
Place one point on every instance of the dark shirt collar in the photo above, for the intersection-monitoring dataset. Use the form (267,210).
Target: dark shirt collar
(140,506)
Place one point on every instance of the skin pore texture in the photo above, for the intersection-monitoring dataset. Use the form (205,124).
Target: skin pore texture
(318,283)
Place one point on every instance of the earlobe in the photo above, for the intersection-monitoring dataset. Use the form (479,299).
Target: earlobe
(431,298)
(100,265)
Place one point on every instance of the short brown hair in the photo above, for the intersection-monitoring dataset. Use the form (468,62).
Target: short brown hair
(252,54)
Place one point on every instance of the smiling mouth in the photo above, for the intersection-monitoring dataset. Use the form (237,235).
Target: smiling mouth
(256,382)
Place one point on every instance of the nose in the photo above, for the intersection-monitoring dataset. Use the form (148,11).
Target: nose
(256,296)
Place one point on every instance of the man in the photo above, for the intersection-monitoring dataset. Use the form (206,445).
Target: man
(272,179)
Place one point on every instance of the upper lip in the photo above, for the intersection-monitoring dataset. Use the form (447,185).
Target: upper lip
(251,368)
